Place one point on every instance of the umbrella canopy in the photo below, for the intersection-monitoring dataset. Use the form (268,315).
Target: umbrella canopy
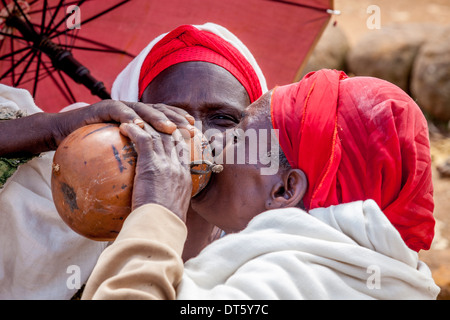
(280,34)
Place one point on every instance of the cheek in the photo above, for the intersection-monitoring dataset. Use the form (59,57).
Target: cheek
(244,200)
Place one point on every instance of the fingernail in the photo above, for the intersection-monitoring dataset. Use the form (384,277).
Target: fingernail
(139,123)
(170,123)
(190,118)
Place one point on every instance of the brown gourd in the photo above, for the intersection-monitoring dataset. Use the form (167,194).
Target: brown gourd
(92,178)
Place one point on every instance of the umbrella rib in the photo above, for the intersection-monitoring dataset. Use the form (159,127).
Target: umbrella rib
(44,14)
(32,2)
(36,77)
(64,19)
(12,36)
(40,77)
(12,53)
(95,49)
(103,45)
(6,6)
(55,13)
(50,7)
(105,11)
(57,84)
(16,64)
(66,86)
(13,75)
(24,71)
(23,14)
(94,17)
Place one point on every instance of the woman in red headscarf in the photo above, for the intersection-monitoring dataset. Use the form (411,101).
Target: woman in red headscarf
(342,218)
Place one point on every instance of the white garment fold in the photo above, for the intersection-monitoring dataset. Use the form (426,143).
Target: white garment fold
(40,256)
(17,99)
(126,85)
(349,251)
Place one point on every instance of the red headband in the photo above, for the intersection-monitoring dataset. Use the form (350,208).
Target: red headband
(187,43)
(356,139)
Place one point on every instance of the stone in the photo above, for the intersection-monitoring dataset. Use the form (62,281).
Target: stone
(444,168)
(330,51)
(430,82)
(441,277)
(389,53)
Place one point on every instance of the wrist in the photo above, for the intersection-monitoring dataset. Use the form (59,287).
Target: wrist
(47,125)
(180,212)
(26,136)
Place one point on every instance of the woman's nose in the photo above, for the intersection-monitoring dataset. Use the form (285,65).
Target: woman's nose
(217,143)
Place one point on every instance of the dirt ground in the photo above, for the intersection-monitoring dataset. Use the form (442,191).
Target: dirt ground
(354,14)
(353,21)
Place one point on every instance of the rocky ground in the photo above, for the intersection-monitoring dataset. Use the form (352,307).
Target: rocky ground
(412,49)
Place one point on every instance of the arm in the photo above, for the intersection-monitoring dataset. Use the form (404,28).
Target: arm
(42,132)
(144,261)
(26,136)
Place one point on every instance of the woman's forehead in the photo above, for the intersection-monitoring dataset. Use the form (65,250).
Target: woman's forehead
(259,108)
(257,115)
(196,82)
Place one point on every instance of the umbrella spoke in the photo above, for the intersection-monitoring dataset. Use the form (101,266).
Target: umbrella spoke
(6,34)
(6,6)
(55,13)
(50,7)
(44,13)
(24,16)
(58,85)
(55,28)
(32,2)
(104,12)
(102,45)
(36,77)
(33,40)
(95,49)
(12,53)
(42,74)
(57,34)
(24,71)
(16,64)
(67,86)
(12,60)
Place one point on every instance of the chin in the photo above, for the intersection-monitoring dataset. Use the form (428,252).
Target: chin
(209,205)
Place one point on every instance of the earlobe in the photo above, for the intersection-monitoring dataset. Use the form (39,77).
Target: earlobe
(288,191)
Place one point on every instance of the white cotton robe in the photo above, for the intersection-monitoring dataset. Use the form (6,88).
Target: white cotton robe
(349,251)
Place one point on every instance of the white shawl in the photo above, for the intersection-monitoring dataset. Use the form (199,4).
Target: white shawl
(40,256)
(349,251)
(126,85)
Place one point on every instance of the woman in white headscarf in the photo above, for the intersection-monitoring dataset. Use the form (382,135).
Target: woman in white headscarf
(204,70)
(41,258)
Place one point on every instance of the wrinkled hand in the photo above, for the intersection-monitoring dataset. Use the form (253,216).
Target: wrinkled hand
(163,118)
(162,176)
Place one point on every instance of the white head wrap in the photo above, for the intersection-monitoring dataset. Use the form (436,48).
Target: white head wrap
(126,85)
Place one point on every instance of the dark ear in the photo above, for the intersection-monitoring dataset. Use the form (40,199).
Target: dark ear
(289,190)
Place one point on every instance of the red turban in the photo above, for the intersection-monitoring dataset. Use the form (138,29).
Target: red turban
(187,43)
(357,139)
